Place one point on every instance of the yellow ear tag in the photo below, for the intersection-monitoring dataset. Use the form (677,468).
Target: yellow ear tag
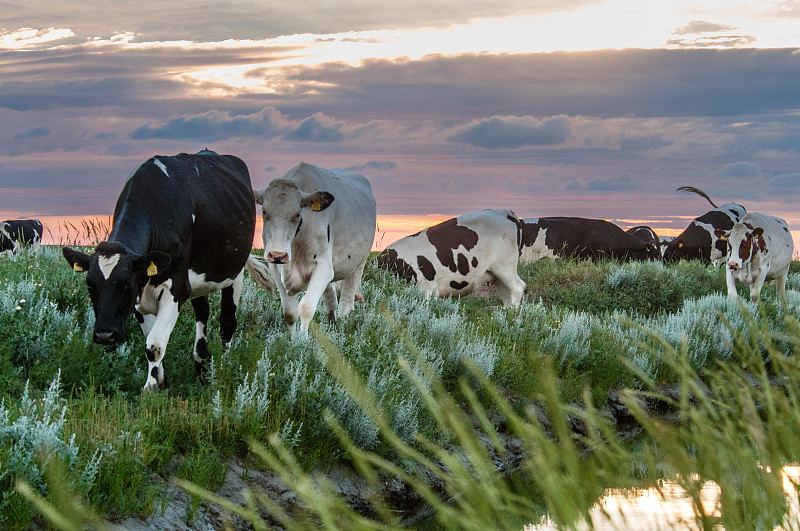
(76,267)
(152,270)
(680,244)
(316,206)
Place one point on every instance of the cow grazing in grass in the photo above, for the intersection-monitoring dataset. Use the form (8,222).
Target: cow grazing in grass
(699,241)
(18,233)
(461,254)
(183,228)
(558,237)
(759,249)
(648,235)
(319,226)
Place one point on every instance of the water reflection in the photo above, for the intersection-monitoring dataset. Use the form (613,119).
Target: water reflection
(669,507)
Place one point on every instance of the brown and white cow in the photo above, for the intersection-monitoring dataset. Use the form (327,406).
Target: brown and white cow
(319,226)
(457,256)
(759,250)
(558,237)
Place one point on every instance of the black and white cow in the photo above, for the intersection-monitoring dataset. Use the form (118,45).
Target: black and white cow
(461,254)
(699,241)
(319,226)
(648,235)
(759,249)
(183,228)
(556,237)
(18,233)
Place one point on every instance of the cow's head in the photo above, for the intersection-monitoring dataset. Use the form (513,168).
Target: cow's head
(114,278)
(692,244)
(744,242)
(283,208)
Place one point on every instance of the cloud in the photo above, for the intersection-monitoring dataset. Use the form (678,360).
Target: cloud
(701,26)
(36,132)
(381,165)
(509,132)
(741,170)
(618,183)
(216,125)
(316,129)
(784,181)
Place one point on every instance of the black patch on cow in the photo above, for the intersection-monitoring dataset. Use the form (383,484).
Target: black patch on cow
(786,229)
(458,285)
(448,236)
(529,232)
(389,260)
(589,238)
(227,315)
(301,224)
(474,261)
(154,372)
(329,234)
(426,268)
(463,264)
(202,349)
(518,223)
(746,246)
(151,355)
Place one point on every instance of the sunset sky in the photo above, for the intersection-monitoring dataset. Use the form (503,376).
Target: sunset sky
(578,107)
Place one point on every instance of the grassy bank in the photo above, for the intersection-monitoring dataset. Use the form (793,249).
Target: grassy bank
(597,327)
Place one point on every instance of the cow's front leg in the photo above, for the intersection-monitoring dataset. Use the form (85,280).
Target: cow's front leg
(288,302)
(201,354)
(349,288)
(319,280)
(758,283)
(731,282)
(157,339)
(329,296)
(229,303)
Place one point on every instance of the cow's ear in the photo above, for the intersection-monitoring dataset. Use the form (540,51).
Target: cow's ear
(152,263)
(318,201)
(758,232)
(259,196)
(77,260)
(721,234)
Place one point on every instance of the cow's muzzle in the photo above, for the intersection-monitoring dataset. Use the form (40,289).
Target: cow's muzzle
(106,337)
(277,258)
(733,266)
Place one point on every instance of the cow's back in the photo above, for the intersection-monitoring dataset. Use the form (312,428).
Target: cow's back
(202,201)
(780,244)
(352,215)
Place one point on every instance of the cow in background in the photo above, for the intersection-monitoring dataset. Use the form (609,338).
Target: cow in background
(648,235)
(319,226)
(183,228)
(457,256)
(759,249)
(18,233)
(699,241)
(558,237)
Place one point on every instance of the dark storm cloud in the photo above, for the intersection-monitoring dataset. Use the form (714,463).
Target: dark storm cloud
(216,125)
(508,132)
(381,165)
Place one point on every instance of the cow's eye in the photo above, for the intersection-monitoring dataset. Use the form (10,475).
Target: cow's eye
(264,216)
(296,217)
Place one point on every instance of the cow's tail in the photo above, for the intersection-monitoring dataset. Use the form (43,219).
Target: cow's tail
(698,192)
(260,273)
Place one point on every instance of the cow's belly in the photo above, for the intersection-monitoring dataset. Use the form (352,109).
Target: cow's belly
(201,287)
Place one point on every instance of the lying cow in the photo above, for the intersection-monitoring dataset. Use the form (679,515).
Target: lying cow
(182,228)
(319,226)
(461,254)
(558,237)
(699,240)
(18,233)
(759,249)
(648,235)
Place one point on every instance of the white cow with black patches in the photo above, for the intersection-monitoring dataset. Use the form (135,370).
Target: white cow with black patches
(459,255)
(759,250)
(18,233)
(319,225)
(183,227)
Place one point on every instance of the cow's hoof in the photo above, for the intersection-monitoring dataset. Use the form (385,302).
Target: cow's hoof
(151,387)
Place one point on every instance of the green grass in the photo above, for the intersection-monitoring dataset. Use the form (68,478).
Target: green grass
(583,330)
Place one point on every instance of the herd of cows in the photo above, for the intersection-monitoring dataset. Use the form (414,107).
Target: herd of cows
(183,228)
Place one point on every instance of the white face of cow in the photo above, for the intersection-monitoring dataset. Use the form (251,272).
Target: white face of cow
(283,207)
(744,242)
